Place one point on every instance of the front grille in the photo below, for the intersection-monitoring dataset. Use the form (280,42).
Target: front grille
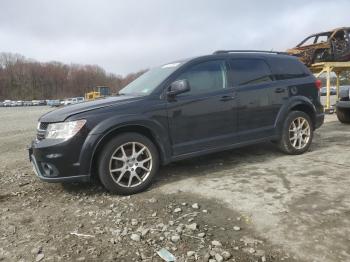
(41,131)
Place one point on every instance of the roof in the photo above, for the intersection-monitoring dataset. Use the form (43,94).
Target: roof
(235,54)
(331,31)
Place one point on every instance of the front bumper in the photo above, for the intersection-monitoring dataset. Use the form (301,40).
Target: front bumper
(41,176)
(57,162)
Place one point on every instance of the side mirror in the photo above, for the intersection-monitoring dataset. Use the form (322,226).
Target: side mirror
(178,87)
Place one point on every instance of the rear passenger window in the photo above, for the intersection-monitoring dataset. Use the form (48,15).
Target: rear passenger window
(249,71)
(288,69)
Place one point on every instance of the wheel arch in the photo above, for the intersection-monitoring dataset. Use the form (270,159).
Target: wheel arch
(296,104)
(129,128)
(306,109)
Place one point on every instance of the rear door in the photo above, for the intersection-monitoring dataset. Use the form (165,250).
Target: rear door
(290,75)
(252,80)
(206,117)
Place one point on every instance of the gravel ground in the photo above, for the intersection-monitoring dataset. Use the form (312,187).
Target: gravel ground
(250,204)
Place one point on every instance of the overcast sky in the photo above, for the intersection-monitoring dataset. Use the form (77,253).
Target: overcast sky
(126,36)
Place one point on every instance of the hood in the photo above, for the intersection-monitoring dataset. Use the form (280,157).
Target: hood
(61,114)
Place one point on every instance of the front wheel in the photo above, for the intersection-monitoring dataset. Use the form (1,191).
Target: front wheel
(297,133)
(128,163)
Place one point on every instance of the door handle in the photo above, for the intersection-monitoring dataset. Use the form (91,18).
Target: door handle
(227,98)
(279,90)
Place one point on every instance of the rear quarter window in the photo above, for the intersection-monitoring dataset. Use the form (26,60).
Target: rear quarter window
(288,68)
(244,71)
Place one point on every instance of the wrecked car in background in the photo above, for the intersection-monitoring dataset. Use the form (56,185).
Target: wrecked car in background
(322,47)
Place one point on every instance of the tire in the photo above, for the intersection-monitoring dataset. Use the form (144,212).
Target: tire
(343,115)
(118,161)
(290,141)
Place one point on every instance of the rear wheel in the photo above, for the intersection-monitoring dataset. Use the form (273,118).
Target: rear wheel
(343,115)
(128,163)
(297,133)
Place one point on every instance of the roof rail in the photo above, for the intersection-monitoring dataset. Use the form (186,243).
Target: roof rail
(248,51)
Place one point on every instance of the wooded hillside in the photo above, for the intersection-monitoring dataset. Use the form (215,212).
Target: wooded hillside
(26,79)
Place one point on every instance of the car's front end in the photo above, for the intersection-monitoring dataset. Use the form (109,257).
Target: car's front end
(55,152)
(65,142)
(68,137)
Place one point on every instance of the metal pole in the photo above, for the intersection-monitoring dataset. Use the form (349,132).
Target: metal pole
(338,75)
(328,103)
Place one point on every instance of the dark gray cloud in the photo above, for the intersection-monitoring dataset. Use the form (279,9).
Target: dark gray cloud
(125,36)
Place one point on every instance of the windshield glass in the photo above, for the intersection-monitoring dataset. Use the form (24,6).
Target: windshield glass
(148,81)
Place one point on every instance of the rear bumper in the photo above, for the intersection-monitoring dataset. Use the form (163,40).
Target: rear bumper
(319,120)
(343,104)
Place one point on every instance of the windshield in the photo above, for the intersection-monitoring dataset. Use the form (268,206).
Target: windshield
(148,81)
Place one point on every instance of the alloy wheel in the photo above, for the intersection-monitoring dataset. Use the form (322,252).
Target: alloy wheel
(130,164)
(299,133)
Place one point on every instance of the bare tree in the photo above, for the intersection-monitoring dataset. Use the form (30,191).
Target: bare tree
(26,79)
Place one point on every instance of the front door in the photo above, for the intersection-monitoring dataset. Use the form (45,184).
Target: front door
(205,117)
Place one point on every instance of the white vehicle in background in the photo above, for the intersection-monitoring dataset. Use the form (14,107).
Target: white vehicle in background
(19,103)
(68,101)
(73,100)
(7,103)
(35,102)
(27,103)
(79,99)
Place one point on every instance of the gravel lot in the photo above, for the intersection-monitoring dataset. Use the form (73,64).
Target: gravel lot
(250,204)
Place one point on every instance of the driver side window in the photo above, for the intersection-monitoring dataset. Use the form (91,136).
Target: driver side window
(205,77)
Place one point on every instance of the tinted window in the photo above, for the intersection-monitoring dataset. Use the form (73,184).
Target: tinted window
(249,71)
(288,68)
(205,77)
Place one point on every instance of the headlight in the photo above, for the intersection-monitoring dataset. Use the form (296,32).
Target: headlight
(64,130)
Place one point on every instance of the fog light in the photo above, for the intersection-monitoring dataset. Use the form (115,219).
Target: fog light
(49,170)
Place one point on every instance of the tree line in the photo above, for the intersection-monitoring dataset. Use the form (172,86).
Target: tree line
(26,79)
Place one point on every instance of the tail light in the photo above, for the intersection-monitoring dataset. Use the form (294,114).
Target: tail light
(318,84)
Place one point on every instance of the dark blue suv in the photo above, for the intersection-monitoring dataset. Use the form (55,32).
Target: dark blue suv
(180,110)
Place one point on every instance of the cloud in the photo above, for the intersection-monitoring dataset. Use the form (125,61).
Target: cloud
(125,36)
